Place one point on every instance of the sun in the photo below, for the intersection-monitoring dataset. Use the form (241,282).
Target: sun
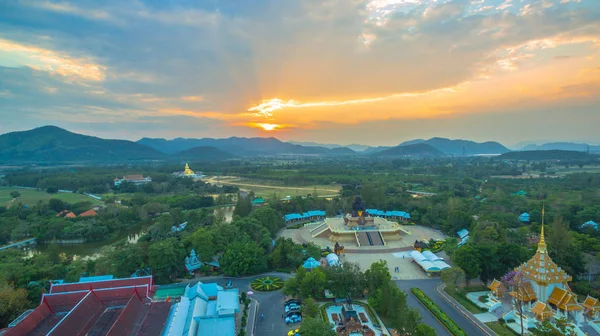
(268,127)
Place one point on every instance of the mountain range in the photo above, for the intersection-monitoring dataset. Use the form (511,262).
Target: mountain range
(54,144)
(565,146)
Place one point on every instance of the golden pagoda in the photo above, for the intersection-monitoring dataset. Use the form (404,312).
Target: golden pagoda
(542,271)
(188,172)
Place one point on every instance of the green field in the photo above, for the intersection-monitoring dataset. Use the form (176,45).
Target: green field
(268,188)
(31,197)
(500,329)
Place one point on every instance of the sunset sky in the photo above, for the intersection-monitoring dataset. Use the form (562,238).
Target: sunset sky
(375,72)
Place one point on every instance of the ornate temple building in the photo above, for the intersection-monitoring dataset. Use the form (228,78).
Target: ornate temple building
(544,293)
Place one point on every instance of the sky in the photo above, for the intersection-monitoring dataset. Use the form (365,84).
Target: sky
(374,72)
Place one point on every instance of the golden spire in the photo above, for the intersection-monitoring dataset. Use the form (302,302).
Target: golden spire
(542,243)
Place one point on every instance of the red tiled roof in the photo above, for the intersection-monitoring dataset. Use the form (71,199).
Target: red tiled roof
(94,309)
(70,215)
(89,213)
(155,319)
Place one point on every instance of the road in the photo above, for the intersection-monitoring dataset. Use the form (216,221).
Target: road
(428,286)
(271,305)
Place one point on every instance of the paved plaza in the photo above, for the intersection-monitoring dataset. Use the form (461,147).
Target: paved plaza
(395,253)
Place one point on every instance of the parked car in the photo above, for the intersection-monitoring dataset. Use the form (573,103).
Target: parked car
(292,307)
(288,302)
(293,318)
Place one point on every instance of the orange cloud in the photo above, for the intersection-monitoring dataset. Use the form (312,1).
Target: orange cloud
(192,98)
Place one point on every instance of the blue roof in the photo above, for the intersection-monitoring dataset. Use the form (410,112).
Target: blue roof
(311,263)
(392,213)
(96,278)
(228,300)
(524,217)
(306,215)
(589,223)
(463,233)
(222,326)
(258,200)
(211,289)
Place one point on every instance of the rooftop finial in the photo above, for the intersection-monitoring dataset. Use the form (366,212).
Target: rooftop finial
(542,243)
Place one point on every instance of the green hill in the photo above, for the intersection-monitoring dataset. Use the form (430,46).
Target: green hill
(203,153)
(54,144)
(419,150)
(535,155)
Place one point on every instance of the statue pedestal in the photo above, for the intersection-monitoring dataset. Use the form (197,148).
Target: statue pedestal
(357,222)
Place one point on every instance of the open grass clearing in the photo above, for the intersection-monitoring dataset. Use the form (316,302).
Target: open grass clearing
(31,197)
(268,188)
(500,329)
(462,299)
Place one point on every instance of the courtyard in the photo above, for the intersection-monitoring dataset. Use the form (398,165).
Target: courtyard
(396,252)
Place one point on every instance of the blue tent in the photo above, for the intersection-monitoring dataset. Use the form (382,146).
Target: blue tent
(589,224)
(311,263)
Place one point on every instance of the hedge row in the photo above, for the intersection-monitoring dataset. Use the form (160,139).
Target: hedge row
(440,315)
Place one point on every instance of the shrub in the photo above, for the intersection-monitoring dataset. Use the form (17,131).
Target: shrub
(267,284)
(440,315)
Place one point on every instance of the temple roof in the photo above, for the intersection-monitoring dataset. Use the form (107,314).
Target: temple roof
(497,287)
(541,310)
(525,292)
(591,303)
(564,299)
(540,268)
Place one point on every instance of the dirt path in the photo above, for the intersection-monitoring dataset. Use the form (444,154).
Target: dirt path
(213,180)
(9,204)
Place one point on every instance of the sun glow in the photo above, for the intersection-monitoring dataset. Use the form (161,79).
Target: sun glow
(267,127)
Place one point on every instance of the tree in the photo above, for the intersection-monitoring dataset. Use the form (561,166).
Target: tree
(13,302)
(513,281)
(313,284)
(377,275)
(56,204)
(15,194)
(243,206)
(316,327)
(310,308)
(467,258)
(453,277)
(52,190)
(408,319)
(202,241)
(424,330)
(388,300)
(268,218)
(345,280)
(166,259)
(243,258)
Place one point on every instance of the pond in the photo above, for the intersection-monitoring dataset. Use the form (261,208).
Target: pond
(93,250)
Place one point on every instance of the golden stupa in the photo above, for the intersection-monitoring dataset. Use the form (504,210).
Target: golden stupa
(188,171)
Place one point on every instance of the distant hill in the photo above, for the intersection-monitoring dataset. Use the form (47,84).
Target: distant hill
(54,144)
(239,146)
(373,150)
(535,155)
(354,147)
(203,154)
(567,146)
(461,147)
(418,150)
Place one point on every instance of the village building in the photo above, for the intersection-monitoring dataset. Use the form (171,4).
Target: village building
(204,309)
(137,179)
(89,213)
(95,306)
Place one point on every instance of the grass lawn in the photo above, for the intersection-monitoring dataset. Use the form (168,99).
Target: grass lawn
(268,188)
(500,329)
(470,306)
(31,197)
